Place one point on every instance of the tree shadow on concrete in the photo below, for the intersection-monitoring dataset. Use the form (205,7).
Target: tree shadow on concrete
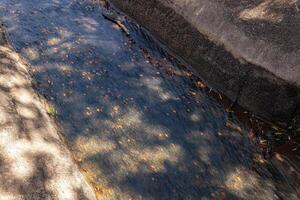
(34,161)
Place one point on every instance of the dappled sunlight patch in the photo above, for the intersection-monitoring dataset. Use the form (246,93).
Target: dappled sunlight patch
(20,154)
(89,24)
(6,61)
(89,146)
(22,95)
(133,158)
(204,141)
(195,117)
(128,151)
(31,149)
(204,153)
(130,119)
(155,132)
(236,181)
(14,57)
(52,50)
(3,117)
(13,152)
(156,157)
(154,84)
(243,182)
(133,120)
(264,11)
(67,46)
(31,53)
(65,68)
(12,80)
(53,41)
(127,66)
(10,195)
(64,33)
(26,112)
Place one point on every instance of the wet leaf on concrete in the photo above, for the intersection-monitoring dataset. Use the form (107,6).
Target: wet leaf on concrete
(51,110)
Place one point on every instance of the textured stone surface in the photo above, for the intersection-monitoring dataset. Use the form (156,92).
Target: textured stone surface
(261,73)
(35,162)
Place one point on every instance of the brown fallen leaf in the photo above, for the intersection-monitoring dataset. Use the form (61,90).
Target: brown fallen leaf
(200,84)
(278,157)
(233,126)
(193,94)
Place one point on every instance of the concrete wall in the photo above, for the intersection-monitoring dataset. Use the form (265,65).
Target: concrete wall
(258,74)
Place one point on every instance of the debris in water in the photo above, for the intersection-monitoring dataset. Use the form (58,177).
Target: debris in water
(51,110)
(233,126)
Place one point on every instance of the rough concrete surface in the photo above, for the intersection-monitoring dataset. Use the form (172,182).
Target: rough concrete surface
(249,50)
(35,163)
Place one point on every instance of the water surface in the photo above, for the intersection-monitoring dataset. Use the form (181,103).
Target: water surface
(136,119)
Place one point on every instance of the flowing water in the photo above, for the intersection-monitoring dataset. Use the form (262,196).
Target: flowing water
(139,123)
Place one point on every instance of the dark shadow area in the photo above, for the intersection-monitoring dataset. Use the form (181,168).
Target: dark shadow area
(137,120)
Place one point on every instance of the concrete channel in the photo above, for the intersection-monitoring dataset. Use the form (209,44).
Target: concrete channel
(94,106)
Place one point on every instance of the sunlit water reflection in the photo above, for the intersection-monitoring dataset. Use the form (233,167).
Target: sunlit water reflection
(140,127)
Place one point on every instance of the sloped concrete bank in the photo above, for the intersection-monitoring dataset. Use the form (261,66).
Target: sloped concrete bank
(35,162)
(260,72)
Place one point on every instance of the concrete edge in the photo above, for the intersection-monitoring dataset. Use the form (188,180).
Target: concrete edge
(211,19)
(250,85)
(59,160)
